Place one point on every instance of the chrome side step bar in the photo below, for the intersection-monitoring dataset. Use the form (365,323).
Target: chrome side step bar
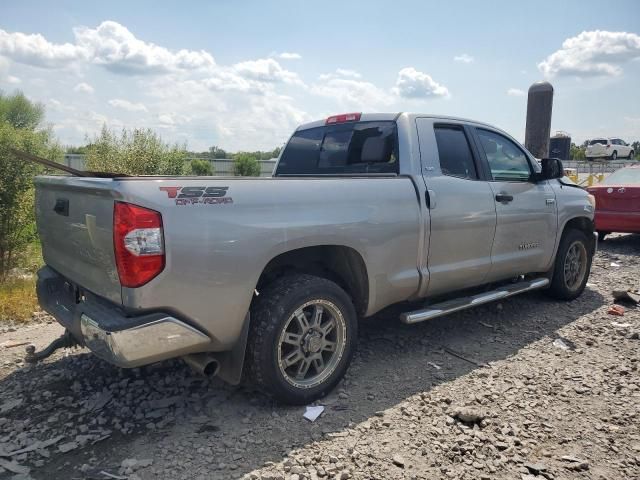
(462,303)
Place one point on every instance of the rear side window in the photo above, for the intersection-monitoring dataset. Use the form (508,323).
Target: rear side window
(455,155)
(350,148)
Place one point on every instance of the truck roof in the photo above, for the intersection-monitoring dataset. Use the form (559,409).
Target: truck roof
(379,117)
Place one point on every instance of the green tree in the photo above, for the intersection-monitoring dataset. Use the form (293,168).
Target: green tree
(20,128)
(20,112)
(217,152)
(577,152)
(134,152)
(246,165)
(201,167)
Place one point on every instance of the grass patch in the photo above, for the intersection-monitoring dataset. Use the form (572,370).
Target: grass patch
(18,299)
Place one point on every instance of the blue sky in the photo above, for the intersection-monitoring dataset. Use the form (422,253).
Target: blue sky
(242,75)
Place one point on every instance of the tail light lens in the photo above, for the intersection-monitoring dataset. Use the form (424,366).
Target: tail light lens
(138,243)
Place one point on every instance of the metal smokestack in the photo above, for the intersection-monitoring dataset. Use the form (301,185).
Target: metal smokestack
(538,129)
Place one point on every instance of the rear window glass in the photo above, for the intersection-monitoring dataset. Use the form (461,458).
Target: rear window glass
(626,176)
(349,148)
(455,155)
(601,141)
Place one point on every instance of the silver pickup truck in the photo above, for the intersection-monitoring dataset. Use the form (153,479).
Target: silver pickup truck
(266,278)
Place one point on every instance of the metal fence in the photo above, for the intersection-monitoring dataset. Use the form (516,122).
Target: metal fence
(221,166)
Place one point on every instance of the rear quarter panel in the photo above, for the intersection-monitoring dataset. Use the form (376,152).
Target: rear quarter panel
(216,252)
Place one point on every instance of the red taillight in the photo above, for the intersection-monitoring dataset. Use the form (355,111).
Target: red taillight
(608,146)
(138,243)
(345,117)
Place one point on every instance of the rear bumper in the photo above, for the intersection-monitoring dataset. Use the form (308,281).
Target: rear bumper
(113,334)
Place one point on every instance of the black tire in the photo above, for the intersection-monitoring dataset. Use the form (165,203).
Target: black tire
(562,287)
(630,157)
(614,155)
(602,235)
(273,314)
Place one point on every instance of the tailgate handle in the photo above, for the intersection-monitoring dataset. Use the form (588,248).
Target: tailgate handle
(62,207)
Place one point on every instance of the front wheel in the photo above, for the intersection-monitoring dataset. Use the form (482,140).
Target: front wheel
(572,266)
(614,156)
(303,335)
(630,157)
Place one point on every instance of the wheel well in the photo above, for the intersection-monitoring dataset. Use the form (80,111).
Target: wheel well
(583,224)
(340,264)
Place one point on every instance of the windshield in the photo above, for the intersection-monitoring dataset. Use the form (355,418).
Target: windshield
(348,148)
(624,176)
(601,141)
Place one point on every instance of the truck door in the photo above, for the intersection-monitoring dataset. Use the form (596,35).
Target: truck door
(526,210)
(461,207)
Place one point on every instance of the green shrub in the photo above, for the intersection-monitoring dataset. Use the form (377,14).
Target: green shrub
(201,167)
(246,165)
(134,152)
(19,129)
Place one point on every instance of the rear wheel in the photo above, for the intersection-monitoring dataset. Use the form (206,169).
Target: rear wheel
(303,336)
(630,157)
(614,155)
(572,266)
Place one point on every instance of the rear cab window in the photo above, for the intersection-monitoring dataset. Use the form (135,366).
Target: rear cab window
(454,152)
(601,141)
(342,149)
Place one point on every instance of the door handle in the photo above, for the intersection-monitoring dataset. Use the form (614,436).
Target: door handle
(62,207)
(504,198)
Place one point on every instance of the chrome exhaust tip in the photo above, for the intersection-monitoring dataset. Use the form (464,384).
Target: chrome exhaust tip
(203,363)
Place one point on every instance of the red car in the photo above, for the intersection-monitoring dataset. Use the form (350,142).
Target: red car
(618,202)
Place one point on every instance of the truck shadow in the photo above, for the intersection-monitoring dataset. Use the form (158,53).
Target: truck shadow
(166,407)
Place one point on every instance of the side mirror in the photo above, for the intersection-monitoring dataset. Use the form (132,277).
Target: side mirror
(551,168)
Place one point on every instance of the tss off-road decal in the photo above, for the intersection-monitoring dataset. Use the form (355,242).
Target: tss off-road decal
(198,195)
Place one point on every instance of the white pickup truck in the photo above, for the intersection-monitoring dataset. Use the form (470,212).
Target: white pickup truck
(267,277)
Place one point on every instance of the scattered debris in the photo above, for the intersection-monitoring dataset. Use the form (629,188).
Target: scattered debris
(13,467)
(467,414)
(616,310)
(630,296)
(462,357)
(614,264)
(563,344)
(620,325)
(13,343)
(313,412)
(485,324)
(111,475)
(398,461)
(575,464)
(434,365)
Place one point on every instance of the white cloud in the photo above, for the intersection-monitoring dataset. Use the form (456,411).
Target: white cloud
(516,92)
(34,49)
(266,70)
(340,73)
(592,53)
(110,44)
(13,80)
(113,46)
(127,105)
(290,56)
(83,87)
(166,119)
(352,93)
(464,58)
(414,84)
(228,80)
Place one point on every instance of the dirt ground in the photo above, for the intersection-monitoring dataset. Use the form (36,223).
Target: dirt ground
(545,389)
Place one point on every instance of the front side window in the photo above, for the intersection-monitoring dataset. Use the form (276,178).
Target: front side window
(455,155)
(507,161)
(350,148)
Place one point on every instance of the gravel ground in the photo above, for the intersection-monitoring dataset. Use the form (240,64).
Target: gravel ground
(544,390)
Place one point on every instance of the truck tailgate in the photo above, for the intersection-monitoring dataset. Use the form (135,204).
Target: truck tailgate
(75,223)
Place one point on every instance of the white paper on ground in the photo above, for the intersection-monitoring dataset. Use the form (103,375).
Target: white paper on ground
(313,413)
